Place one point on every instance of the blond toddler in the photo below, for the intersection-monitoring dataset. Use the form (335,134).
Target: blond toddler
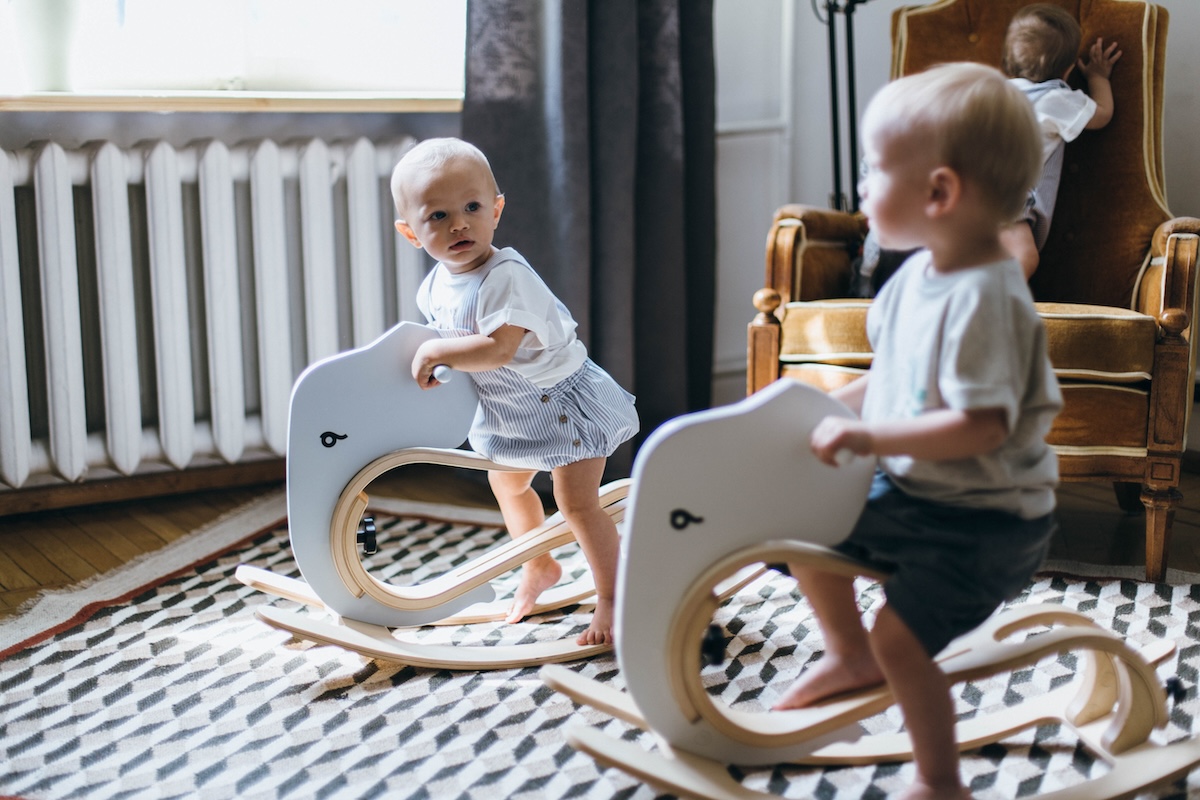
(955,407)
(543,404)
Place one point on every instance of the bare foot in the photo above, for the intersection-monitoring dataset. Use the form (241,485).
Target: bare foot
(537,575)
(601,629)
(830,676)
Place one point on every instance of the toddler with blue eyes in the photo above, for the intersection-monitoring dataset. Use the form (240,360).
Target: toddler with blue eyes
(544,405)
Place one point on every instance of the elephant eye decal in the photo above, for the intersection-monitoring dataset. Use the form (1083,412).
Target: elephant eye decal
(329,438)
(681,518)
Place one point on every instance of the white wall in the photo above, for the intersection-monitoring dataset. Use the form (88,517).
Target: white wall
(755,58)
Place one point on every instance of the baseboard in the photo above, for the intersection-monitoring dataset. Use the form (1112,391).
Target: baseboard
(136,487)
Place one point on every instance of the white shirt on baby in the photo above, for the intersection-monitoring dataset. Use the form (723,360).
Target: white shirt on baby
(1062,112)
(511,293)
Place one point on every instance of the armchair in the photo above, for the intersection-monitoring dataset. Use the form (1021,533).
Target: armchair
(1116,286)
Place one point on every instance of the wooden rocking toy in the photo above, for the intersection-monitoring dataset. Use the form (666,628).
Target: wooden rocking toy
(353,417)
(682,509)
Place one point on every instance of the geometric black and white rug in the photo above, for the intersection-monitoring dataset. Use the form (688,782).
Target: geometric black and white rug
(181,692)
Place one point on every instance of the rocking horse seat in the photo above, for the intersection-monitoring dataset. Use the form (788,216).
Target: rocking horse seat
(354,417)
(685,775)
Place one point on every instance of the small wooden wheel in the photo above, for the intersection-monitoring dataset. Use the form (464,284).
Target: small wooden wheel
(367,536)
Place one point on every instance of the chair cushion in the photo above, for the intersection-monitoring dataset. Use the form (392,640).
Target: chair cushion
(1096,418)
(826,332)
(1101,355)
(1098,344)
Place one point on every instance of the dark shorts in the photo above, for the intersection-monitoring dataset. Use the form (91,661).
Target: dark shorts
(949,568)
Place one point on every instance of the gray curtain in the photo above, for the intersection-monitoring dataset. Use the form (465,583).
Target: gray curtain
(598,118)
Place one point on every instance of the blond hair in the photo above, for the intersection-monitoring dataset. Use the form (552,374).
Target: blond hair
(1042,43)
(974,121)
(432,154)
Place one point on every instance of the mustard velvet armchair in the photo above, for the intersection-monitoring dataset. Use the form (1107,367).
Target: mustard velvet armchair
(1116,285)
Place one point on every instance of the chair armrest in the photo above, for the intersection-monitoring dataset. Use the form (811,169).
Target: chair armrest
(809,252)
(809,255)
(824,223)
(1167,292)
(1168,283)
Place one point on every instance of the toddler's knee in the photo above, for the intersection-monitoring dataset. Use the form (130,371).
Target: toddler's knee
(576,505)
(510,484)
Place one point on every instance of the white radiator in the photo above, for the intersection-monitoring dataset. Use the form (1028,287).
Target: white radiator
(156,303)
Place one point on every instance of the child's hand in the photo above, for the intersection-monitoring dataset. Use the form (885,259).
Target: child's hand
(836,434)
(423,367)
(423,375)
(1100,60)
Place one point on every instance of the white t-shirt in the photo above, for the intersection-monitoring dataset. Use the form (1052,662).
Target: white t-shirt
(1062,112)
(968,339)
(510,293)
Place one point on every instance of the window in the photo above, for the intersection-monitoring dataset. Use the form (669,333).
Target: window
(394,46)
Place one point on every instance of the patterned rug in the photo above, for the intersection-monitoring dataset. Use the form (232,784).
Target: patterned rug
(181,692)
(60,609)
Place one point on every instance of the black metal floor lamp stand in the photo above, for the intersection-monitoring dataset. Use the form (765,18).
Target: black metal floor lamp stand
(846,9)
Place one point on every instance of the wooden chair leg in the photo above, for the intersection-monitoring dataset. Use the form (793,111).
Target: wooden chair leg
(1160,514)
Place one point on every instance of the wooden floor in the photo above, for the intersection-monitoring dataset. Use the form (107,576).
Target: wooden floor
(1094,530)
(54,549)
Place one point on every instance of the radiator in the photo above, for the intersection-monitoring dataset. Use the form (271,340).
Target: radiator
(157,303)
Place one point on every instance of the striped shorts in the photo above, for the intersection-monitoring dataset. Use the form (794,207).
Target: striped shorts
(518,424)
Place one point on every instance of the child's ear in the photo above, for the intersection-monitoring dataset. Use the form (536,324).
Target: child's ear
(945,189)
(407,232)
(499,208)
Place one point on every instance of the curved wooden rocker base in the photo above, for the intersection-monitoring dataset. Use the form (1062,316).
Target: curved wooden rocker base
(386,644)
(1119,684)
(378,641)
(685,775)
(842,747)
(578,592)
(1111,706)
